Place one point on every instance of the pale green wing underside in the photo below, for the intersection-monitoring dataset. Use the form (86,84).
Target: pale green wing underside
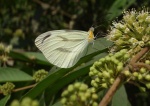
(63,48)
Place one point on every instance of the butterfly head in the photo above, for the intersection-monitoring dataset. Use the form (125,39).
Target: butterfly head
(91,35)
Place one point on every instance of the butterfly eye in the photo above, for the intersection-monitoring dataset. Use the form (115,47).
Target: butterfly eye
(92,29)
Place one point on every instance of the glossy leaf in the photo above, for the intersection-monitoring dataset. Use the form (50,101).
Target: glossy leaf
(120,98)
(4,100)
(13,75)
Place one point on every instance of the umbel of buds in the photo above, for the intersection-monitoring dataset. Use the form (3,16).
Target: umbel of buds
(40,75)
(132,32)
(25,102)
(78,94)
(104,71)
(7,88)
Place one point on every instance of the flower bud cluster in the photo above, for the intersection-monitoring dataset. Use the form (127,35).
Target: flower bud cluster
(142,75)
(104,71)
(7,88)
(4,50)
(133,32)
(25,102)
(78,94)
(40,75)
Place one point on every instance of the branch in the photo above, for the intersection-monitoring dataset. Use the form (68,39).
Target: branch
(23,88)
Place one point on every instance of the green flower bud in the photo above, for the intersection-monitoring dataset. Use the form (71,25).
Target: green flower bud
(147,19)
(95,72)
(111,80)
(127,73)
(127,30)
(97,80)
(142,70)
(147,77)
(83,98)
(102,60)
(120,42)
(87,94)
(77,85)
(73,97)
(126,56)
(120,26)
(146,38)
(81,94)
(94,96)
(117,55)
(26,102)
(107,58)
(106,74)
(141,43)
(70,88)
(135,74)
(35,103)
(111,72)
(91,73)
(100,75)
(147,61)
(104,85)
(92,68)
(94,104)
(83,87)
(15,103)
(140,77)
(115,61)
(94,84)
(93,90)
(115,34)
(123,51)
(142,16)
(148,85)
(95,65)
(65,93)
(63,100)
(120,66)
(18,33)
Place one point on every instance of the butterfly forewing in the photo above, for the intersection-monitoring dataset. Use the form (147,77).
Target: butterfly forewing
(63,48)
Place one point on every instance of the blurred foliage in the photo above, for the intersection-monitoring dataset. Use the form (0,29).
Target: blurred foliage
(21,21)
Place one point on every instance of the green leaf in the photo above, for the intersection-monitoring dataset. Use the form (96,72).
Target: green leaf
(120,98)
(57,104)
(117,8)
(13,75)
(4,100)
(32,57)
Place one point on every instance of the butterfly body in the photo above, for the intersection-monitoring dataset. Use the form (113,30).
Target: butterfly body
(64,48)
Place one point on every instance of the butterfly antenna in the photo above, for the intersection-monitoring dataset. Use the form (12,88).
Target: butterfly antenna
(99,33)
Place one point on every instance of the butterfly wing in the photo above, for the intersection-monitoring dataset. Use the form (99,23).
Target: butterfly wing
(63,48)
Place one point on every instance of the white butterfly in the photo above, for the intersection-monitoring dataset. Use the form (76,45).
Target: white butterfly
(64,48)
